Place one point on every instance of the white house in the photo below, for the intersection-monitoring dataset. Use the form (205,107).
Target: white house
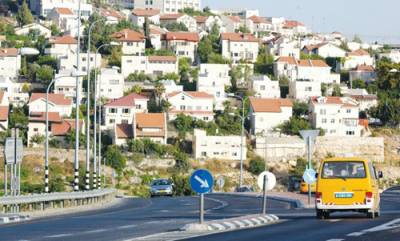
(37,124)
(358,57)
(65,20)
(283,47)
(266,114)
(218,147)
(188,21)
(123,109)
(152,65)
(170,86)
(364,100)
(68,61)
(363,72)
(58,103)
(61,46)
(15,90)
(213,78)
(337,116)
(258,25)
(198,105)
(206,23)
(111,83)
(133,43)
(325,50)
(10,62)
(230,24)
(303,89)
(4,109)
(65,84)
(314,70)
(293,27)
(37,27)
(167,6)
(156,34)
(152,126)
(393,55)
(112,16)
(139,15)
(44,7)
(264,87)
(183,44)
(238,46)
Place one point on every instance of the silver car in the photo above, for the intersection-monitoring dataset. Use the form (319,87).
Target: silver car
(161,187)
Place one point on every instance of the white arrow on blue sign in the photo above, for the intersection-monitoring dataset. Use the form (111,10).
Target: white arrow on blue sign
(201,181)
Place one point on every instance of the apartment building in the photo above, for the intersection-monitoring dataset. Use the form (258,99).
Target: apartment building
(168,6)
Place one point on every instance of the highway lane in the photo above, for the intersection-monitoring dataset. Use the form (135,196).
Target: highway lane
(301,225)
(133,218)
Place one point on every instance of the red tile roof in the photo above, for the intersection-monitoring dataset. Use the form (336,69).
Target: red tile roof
(201,19)
(128,35)
(235,19)
(303,62)
(1,96)
(111,13)
(193,94)
(239,37)
(58,99)
(126,101)
(66,39)
(64,11)
(8,52)
(365,68)
(185,36)
(171,16)
(65,127)
(314,46)
(149,120)
(162,58)
(145,12)
(4,113)
(41,117)
(257,20)
(359,52)
(287,59)
(292,24)
(269,105)
(124,131)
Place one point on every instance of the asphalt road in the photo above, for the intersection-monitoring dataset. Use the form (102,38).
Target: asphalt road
(301,225)
(134,218)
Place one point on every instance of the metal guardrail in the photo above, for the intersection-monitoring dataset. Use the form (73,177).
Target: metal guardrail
(50,197)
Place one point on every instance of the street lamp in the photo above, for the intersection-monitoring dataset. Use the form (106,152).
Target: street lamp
(76,74)
(241,138)
(87,175)
(97,94)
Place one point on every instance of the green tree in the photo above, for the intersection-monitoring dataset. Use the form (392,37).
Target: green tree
(359,84)
(45,74)
(146,27)
(183,125)
(357,39)
(257,165)
(300,167)
(24,15)
(38,139)
(115,158)
(336,90)
(182,164)
(300,109)
(215,58)
(204,49)
(115,58)
(294,126)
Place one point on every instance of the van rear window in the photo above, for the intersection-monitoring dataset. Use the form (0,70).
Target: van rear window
(344,169)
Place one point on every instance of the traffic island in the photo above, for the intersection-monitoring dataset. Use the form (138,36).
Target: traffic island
(13,218)
(232,223)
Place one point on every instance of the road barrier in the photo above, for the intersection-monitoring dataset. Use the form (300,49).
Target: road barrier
(44,201)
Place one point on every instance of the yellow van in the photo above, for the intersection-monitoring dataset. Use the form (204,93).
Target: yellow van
(347,184)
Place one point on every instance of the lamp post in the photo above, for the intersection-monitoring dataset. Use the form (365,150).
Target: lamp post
(97,94)
(87,175)
(241,138)
(46,162)
(77,102)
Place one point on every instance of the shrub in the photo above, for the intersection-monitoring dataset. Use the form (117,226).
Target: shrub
(182,185)
(257,165)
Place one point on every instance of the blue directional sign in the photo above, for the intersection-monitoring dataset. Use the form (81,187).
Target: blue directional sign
(201,181)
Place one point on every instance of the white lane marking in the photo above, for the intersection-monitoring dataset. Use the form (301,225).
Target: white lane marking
(127,226)
(164,211)
(94,231)
(59,235)
(334,220)
(386,226)
(335,239)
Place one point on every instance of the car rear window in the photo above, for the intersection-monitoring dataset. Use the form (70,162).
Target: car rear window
(161,182)
(344,169)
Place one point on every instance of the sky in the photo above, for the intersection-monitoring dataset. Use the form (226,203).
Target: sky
(370,19)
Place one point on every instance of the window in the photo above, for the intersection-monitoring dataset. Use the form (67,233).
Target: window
(309,88)
(138,107)
(348,111)
(182,107)
(205,118)
(183,97)
(322,111)
(344,169)
(203,153)
(124,121)
(350,133)
(262,87)
(126,111)
(35,129)
(332,121)
(129,43)
(324,121)
(113,110)
(112,121)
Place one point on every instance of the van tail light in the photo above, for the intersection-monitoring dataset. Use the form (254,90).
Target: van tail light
(368,197)
(318,197)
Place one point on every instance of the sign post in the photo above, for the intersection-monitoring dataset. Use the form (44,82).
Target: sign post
(201,181)
(309,137)
(220,182)
(266,181)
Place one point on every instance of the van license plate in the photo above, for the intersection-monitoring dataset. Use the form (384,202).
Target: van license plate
(343,195)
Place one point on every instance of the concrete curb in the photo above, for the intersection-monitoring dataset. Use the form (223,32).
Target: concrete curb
(232,223)
(13,219)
